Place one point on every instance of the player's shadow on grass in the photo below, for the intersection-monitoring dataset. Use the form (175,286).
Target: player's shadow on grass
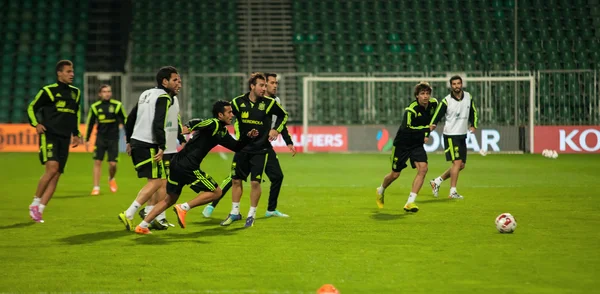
(208,222)
(218,231)
(70,196)
(15,226)
(94,237)
(157,239)
(381,216)
(435,200)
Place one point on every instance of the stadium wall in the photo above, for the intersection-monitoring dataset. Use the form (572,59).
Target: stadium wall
(373,138)
(23,138)
(567,139)
(486,138)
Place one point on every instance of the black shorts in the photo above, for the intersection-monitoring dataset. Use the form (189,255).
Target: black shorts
(54,148)
(455,147)
(245,164)
(400,154)
(167,162)
(146,167)
(197,179)
(106,146)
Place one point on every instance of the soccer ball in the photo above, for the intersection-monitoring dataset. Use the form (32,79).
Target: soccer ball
(550,153)
(506,223)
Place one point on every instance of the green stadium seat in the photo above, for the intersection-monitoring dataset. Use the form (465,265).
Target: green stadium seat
(544,35)
(24,49)
(468,47)
(453,57)
(4,116)
(298,38)
(565,45)
(4,102)
(18,115)
(569,64)
(395,48)
(581,56)
(439,67)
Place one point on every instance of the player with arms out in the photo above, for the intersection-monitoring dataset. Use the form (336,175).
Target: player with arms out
(185,165)
(109,114)
(55,114)
(272,167)
(408,144)
(461,117)
(147,137)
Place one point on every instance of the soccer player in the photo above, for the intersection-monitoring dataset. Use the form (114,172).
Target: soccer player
(185,165)
(253,110)
(272,168)
(55,114)
(461,116)
(408,144)
(173,133)
(109,113)
(147,143)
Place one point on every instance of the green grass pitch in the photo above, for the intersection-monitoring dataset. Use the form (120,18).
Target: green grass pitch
(335,233)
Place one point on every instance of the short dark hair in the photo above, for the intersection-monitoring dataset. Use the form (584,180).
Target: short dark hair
(219,107)
(165,73)
(268,74)
(102,87)
(255,76)
(454,78)
(422,86)
(62,63)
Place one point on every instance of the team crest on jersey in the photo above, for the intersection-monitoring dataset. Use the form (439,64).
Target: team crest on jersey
(49,150)
(111,109)
(418,114)
(243,105)
(58,95)
(261,106)
(245,114)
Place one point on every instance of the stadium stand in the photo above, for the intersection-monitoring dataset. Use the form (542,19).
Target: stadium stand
(197,35)
(37,35)
(453,35)
(391,36)
(351,37)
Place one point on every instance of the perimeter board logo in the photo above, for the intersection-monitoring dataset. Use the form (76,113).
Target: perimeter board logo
(383,140)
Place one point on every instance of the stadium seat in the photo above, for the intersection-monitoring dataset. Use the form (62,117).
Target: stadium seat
(395,48)
(4,116)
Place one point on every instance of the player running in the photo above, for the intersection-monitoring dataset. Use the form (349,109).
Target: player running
(408,144)
(185,165)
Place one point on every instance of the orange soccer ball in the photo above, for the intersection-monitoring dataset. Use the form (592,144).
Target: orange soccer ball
(328,289)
